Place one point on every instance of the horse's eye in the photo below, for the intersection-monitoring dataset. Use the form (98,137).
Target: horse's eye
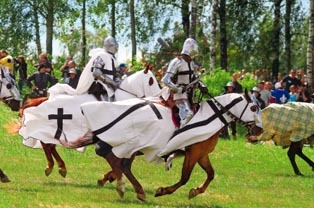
(254,108)
(151,81)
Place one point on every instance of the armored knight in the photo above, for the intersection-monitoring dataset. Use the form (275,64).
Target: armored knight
(181,72)
(100,76)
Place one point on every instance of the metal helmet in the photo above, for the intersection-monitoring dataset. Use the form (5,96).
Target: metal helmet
(111,45)
(190,47)
(229,84)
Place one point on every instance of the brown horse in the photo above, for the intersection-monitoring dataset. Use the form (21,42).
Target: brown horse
(50,150)
(140,84)
(195,153)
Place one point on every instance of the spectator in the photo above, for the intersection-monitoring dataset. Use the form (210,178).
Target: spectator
(281,95)
(293,94)
(123,71)
(236,84)
(43,59)
(39,82)
(21,68)
(291,79)
(304,95)
(73,78)
(264,93)
(65,68)
(256,97)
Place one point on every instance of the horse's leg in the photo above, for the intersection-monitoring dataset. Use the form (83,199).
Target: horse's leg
(61,164)
(110,176)
(204,162)
(291,154)
(300,153)
(126,168)
(115,164)
(188,165)
(50,162)
(3,177)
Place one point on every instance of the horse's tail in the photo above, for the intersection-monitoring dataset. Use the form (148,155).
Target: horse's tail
(14,126)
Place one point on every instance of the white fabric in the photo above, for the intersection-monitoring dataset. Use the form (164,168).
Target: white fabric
(37,127)
(139,131)
(142,131)
(5,79)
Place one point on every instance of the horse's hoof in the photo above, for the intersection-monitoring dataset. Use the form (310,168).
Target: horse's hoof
(100,183)
(141,197)
(63,172)
(193,193)
(5,179)
(159,192)
(48,171)
(121,187)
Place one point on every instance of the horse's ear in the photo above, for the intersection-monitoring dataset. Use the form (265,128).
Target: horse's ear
(146,69)
(246,95)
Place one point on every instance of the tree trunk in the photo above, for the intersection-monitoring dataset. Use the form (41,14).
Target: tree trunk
(288,35)
(133,32)
(213,35)
(113,18)
(185,13)
(49,26)
(310,48)
(193,19)
(223,36)
(84,33)
(276,39)
(36,26)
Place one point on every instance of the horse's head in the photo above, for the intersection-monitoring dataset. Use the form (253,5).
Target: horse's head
(243,110)
(140,84)
(8,90)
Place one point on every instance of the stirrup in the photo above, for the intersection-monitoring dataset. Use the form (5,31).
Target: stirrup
(185,121)
(168,164)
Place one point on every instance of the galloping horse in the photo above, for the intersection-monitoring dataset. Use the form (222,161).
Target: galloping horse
(148,128)
(9,93)
(289,125)
(45,121)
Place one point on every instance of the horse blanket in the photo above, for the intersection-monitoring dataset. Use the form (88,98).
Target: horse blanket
(57,118)
(290,122)
(146,126)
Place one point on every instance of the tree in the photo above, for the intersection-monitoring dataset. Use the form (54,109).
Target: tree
(276,40)
(223,35)
(310,48)
(213,34)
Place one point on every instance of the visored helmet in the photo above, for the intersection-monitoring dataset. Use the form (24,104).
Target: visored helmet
(111,45)
(190,47)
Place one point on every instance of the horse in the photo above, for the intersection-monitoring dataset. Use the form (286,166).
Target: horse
(289,125)
(155,135)
(40,120)
(9,93)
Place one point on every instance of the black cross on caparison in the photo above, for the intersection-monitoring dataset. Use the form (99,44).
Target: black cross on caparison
(59,117)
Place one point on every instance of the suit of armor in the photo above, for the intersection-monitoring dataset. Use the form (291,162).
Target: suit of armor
(104,69)
(180,73)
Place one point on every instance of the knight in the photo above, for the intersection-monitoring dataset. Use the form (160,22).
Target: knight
(100,76)
(180,78)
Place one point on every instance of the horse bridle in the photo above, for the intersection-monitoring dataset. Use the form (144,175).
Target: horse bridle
(249,125)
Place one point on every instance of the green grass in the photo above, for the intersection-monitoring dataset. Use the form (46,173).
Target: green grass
(245,176)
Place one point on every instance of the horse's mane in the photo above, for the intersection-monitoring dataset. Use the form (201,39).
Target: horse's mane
(31,103)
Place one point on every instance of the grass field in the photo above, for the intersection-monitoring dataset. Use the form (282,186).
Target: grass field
(245,176)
